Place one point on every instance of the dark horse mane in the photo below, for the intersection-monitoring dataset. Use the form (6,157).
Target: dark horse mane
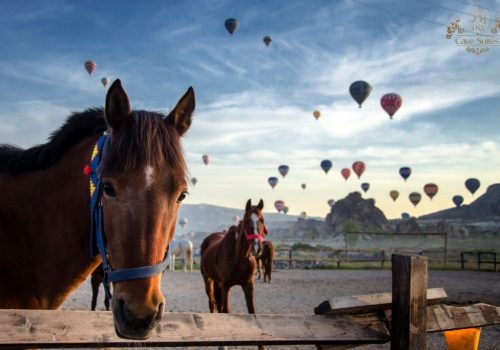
(146,137)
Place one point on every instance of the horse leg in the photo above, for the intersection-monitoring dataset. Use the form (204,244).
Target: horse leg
(258,268)
(106,302)
(172,262)
(248,289)
(95,281)
(184,262)
(225,297)
(209,289)
(190,259)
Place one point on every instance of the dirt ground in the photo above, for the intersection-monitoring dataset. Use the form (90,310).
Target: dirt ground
(299,291)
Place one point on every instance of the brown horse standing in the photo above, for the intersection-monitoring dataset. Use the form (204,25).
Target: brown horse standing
(228,259)
(45,215)
(266,259)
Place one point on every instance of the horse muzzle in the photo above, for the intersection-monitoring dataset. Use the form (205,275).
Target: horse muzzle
(130,326)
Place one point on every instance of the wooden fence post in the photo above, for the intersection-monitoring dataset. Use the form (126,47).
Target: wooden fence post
(409,303)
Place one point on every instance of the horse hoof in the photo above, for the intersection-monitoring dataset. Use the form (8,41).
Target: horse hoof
(223,348)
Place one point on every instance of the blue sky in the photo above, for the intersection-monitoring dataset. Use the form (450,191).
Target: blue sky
(254,104)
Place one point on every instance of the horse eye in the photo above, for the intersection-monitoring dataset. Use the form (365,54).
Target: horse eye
(109,190)
(182,196)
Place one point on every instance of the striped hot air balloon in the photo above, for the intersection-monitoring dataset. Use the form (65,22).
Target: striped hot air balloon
(90,66)
(391,103)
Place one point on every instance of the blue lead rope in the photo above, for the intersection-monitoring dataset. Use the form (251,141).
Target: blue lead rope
(97,227)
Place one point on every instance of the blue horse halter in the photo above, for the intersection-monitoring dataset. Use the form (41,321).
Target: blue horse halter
(97,225)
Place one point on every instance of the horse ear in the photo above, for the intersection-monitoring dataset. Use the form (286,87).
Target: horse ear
(261,205)
(249,205)
(117,108)
(180,117)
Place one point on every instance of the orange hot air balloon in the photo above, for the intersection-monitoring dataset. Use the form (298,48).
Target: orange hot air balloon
(391,103)
(316,114)
(359,168)
(346,172)
(205,159)
(431,190)
(394,195)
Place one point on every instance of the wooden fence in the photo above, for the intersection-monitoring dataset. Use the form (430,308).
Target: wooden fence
(403,318)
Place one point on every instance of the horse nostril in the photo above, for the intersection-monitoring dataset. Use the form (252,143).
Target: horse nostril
(159,313)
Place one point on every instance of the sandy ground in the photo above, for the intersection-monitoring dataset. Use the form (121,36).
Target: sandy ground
(299,291)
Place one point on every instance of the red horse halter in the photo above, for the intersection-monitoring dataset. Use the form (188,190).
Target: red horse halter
(257,236)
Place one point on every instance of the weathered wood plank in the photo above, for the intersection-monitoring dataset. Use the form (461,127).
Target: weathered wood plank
(409,306)
(370,302)
(49,329)
(444,317)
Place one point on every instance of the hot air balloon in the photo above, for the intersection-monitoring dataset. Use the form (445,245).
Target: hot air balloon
(405,216)
(183,222)
(273,181)
(331,202)
(316,114)
(472,185)
(105,81)
(394,195)
(405,172)
(359,91)
(359,168)
(303,186)
(303,215)
(431,190)
(458,200)
(231,25)
(90,66)
(391,103)
(326,165)
(415,198)
(236,219)
(279,205)
(267,40)
(365,186)
(194,181)
(283,169)
(346,172)
(205,159)
(285,210)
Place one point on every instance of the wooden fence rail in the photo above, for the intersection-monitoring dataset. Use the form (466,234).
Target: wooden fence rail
(402,317)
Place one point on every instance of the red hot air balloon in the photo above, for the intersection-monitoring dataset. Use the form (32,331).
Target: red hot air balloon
(90,66)
(359,168)
(279,205)
(205,159)
(391,103)
(431,190)
(346,172)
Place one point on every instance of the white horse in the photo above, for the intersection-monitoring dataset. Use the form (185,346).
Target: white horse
(182,248)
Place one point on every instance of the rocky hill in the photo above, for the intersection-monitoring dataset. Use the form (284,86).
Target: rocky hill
(362,212)
(485,208)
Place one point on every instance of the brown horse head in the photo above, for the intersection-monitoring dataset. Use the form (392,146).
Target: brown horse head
(144,182)
(253,226)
